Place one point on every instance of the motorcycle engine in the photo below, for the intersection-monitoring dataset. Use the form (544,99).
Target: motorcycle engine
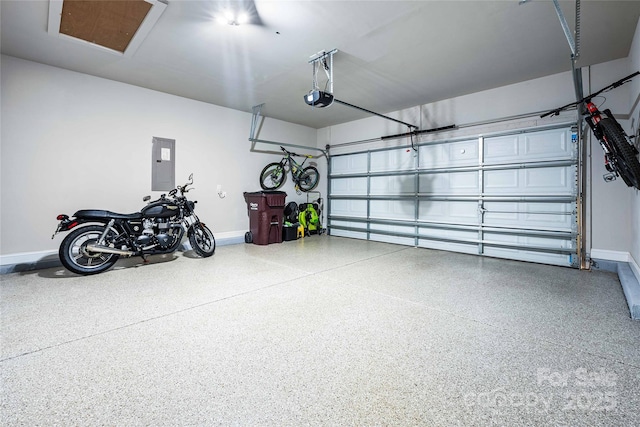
(156,232)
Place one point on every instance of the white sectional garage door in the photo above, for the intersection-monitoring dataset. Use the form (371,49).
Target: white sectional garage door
(510,195)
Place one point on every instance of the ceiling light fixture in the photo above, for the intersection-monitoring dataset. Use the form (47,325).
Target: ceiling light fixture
(243,18)
(230,17)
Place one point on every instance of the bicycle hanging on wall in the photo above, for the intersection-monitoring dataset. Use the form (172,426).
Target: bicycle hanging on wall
(620,155)
(273,175)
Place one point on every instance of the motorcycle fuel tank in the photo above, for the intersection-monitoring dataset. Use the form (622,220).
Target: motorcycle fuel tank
(160,209)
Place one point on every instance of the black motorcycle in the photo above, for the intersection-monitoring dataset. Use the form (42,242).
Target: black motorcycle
(157,229)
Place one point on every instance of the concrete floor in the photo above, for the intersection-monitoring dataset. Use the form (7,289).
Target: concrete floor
(319,331)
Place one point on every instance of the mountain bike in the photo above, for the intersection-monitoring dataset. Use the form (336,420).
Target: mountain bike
(620,155)
(273,175)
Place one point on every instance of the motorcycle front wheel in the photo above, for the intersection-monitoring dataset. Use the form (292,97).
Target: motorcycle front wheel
(74,256)
(202,241)
(272,176)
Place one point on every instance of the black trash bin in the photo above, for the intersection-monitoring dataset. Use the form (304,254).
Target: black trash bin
(265,209)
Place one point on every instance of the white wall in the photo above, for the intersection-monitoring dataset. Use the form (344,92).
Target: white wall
(71,141)
(634,60)
(610,202)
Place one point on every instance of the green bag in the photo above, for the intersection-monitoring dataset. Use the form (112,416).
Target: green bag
(308,218)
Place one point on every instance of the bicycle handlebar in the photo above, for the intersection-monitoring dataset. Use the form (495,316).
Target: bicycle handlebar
(287,151)
(587,98)
(624,80)
(294,154)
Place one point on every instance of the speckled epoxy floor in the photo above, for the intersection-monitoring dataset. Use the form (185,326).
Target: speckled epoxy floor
(320,331)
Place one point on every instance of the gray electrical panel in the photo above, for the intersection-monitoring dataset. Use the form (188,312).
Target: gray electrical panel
(163,164)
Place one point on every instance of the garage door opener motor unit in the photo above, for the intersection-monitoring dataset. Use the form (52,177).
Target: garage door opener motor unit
(317,97)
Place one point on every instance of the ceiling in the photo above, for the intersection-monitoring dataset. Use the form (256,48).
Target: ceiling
(391,54)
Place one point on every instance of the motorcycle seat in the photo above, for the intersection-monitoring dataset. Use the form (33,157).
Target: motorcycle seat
(102,214)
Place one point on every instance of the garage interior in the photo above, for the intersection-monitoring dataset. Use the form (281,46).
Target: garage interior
(480,272)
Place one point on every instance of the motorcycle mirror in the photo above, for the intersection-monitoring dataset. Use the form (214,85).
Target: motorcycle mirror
(191,178)
(146,198)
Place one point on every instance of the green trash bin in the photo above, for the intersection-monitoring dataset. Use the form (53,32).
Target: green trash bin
(266,211)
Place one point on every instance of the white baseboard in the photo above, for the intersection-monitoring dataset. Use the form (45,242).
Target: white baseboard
(608,255)
(26,257)
(26,261)
(229,238)
(229,235)
(634,267)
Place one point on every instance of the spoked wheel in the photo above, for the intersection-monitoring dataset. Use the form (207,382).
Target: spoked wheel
(308,178)
(75,257)
(626,160)
(202,241)
(272,176)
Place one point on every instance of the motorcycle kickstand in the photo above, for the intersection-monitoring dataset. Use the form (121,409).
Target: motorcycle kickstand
(144,259)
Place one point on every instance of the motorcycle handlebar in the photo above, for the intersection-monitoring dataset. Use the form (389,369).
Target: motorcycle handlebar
(183,188)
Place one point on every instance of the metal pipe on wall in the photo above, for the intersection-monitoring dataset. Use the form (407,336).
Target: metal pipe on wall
(257,109)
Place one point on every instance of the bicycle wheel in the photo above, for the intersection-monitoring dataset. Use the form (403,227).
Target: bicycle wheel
(625,159)
(272,176)
(308,178)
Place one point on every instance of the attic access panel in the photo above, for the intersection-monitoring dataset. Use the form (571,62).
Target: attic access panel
(117,26)
(107,23)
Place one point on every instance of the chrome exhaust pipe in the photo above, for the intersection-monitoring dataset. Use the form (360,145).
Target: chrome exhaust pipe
(108,250)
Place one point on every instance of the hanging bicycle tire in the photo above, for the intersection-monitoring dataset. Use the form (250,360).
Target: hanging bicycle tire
(272,176)
(626,159)
(309,179)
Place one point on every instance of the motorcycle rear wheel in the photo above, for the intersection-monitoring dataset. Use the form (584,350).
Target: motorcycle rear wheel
(74,256)
(202,241)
